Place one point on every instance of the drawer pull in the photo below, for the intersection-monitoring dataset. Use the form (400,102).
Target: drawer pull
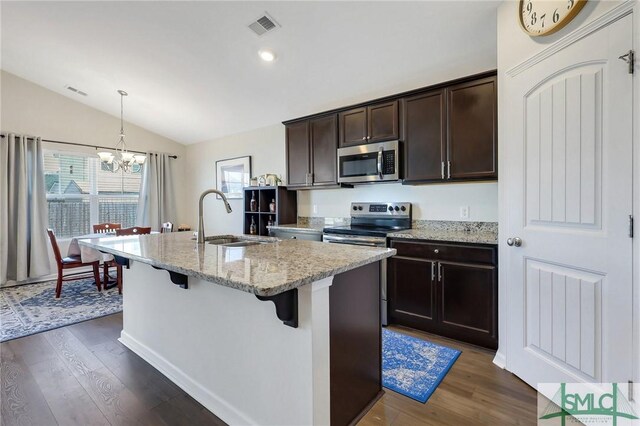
(439,271)
(433,271)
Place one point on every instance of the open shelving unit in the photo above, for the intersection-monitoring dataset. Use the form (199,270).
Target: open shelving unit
(286,210)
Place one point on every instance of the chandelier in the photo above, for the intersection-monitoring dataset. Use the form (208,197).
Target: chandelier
(123,160)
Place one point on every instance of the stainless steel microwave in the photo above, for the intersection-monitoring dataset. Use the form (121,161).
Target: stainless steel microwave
(372,162)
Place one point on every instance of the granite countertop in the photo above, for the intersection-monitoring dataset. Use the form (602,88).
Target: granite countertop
(299,227)
(263,269)
(452,235)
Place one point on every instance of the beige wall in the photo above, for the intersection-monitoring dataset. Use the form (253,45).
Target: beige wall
(27,108)
(266,148)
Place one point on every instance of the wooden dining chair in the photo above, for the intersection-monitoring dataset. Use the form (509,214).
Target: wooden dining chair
(166,227)
(70,263)
(134,230)
(104,228)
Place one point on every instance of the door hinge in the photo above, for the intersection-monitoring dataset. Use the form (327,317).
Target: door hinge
(630,226)
(629,58)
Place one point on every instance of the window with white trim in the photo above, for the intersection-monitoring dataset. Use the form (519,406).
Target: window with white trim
(81,192)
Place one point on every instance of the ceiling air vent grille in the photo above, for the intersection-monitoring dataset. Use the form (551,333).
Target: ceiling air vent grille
(74,90)
(263,24)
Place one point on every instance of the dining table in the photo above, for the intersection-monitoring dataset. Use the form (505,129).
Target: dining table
(89,255)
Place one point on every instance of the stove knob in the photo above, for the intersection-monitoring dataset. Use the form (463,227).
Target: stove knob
(390,208)
(403,208)
(360,208)
(355,207)
(397,208)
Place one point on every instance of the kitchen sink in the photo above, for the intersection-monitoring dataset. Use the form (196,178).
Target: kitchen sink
(230,241)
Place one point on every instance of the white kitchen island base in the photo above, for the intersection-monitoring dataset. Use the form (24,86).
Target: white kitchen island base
(229,350)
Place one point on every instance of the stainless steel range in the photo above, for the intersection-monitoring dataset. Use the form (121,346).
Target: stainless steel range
(370,224)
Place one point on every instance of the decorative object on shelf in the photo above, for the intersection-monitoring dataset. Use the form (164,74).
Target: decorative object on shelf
(253,204)
(272,179)
(124,160)
(262,181)
(272,205)
(270,221)
(252,228)
(540,18)
(232,175)
(184,227)
(254,181)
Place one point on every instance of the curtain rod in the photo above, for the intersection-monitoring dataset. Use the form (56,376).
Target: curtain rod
(90,146)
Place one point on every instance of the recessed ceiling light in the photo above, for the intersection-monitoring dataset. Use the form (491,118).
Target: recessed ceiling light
(267,55)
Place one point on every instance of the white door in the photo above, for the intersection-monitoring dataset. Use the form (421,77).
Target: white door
(569,190)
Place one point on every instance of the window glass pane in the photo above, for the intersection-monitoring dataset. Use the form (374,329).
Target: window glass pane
(120,210)
(81,192)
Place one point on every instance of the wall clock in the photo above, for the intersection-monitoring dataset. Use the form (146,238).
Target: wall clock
(544,17)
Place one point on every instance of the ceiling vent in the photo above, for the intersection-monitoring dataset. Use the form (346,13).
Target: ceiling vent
(263,24)
(74,90)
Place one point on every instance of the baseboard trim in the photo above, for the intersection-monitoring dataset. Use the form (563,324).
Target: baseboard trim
(212,402)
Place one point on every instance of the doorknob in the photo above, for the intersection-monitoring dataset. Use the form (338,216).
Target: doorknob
(514,241)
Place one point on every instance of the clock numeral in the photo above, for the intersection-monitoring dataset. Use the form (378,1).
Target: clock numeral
(534,18)
(542,19)
(529,7)
(570,5)
(556,16)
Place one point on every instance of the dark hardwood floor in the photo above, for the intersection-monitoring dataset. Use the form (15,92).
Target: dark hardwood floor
(81,375)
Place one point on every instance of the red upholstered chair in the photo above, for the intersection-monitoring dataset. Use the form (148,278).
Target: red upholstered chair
(70,263)
(134,230)
(103,228)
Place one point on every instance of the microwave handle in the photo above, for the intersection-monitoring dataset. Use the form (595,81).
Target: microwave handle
(380,161)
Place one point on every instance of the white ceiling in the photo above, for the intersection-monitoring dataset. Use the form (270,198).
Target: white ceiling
(192,69)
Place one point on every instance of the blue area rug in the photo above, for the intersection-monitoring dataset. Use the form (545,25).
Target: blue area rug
(32,308)
(414,367)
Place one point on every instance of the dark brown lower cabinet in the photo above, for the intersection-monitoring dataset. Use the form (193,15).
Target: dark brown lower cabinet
(445,289)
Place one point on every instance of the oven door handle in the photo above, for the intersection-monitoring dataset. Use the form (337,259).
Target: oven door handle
(354,243)
(380,162)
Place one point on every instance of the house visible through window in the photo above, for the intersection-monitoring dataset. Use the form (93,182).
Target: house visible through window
(81,192)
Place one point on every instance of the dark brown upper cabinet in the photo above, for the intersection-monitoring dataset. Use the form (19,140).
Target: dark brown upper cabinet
(472,130)
(298,153)
(424,122)
(372,123)
(450,133)
(311,147)
(324,148)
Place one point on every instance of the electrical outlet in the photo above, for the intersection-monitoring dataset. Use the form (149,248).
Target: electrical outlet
(464,212)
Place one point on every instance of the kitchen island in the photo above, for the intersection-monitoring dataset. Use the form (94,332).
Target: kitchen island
(281,332)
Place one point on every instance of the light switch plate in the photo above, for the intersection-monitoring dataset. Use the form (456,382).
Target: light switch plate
(464,212)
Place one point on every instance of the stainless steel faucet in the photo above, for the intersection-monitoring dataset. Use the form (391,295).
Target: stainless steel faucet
(201,211)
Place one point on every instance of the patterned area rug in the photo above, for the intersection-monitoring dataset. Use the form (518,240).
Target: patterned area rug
(33,308)
(414,367)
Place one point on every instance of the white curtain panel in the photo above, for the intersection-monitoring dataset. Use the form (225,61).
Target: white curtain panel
(157,200)
(23,210)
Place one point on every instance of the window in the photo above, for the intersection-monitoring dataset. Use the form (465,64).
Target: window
(82,192)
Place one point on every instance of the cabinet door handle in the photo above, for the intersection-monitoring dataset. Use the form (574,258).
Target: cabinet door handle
(364,138)
(442,169)
(448,169)
(439,271)
(433,271)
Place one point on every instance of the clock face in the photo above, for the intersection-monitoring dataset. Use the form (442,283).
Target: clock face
(542,17)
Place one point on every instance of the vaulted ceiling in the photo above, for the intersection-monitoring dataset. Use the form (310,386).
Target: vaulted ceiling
(192,69)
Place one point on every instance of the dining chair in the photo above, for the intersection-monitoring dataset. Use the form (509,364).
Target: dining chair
(166,227)
(103,228)
(70,263)
(134,230)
